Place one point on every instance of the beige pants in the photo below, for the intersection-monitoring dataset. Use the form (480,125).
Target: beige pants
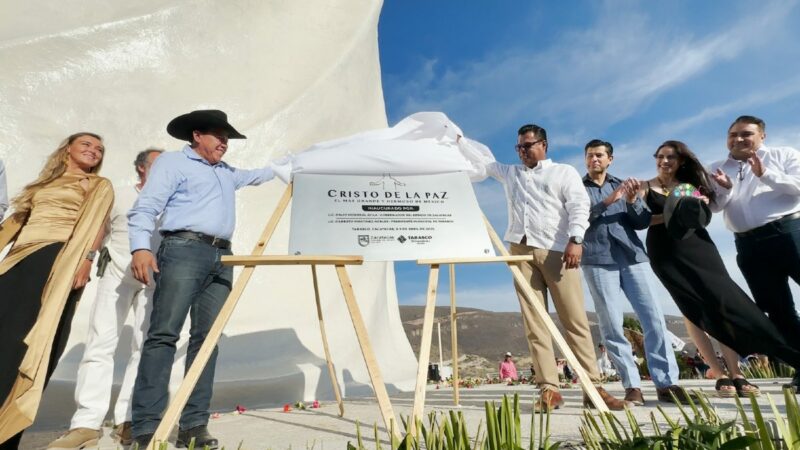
(546,273)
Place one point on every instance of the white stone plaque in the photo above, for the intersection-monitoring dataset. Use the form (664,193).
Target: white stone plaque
(387,217)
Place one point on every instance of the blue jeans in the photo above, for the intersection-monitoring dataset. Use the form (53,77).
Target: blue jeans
(193,281)
(609,284)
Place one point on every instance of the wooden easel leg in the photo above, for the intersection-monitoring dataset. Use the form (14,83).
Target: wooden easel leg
(583,377)
(373,369)
(454,333)
(331,371)
(424,350)
(193,374)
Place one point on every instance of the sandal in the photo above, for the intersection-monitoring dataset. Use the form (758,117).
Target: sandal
(730,392)
(741,383)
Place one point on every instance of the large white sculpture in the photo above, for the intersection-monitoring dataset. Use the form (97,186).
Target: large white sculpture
(288,74)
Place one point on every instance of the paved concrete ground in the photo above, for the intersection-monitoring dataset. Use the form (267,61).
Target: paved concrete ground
(323,428)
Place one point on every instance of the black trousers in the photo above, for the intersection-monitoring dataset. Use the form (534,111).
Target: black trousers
(20,301)
(768,257)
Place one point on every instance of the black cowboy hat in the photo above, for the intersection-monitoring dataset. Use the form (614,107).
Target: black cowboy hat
(182,126)
(684,214)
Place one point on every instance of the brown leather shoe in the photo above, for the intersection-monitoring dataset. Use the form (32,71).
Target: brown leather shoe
(634,396)
(665,394)
(122,434)
(613,403)
(549,399)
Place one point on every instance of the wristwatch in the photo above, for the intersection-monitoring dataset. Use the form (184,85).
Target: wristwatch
(91,254)
(577,240)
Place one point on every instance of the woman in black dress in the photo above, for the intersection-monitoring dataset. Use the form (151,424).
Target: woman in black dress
(692,270)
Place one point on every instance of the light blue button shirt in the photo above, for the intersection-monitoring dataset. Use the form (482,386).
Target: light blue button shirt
(192,194)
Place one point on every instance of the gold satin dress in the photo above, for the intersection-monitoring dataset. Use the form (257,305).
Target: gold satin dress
(52,218)
(63,213)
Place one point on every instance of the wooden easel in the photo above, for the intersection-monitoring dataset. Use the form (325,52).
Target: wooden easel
(249,262)
(539,309)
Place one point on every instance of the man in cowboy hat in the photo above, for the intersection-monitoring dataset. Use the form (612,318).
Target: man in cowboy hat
(194,193)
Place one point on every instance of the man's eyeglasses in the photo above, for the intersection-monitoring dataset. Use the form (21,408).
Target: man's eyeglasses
(741,170)
(527,145)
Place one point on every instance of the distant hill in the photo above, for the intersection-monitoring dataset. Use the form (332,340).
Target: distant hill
(488,334)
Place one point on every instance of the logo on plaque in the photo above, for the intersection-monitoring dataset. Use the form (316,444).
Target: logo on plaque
(387,181)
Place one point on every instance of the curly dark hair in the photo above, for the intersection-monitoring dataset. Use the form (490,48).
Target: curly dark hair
(690,170)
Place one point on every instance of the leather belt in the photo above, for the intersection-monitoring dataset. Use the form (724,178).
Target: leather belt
(202,237)
(770,228)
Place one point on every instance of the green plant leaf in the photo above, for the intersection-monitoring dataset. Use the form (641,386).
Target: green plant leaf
(792,418)
(740,442)
(766,442)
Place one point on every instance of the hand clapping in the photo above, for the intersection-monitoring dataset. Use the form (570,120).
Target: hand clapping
(631,188)
(722,178)
(628,190)
(756,165)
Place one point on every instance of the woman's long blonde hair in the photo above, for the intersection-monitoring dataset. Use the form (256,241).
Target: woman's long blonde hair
(55,166)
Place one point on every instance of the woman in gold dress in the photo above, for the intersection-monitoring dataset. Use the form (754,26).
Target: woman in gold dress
(56,227)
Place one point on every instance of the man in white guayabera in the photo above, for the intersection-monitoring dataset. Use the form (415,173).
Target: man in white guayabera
(548,212)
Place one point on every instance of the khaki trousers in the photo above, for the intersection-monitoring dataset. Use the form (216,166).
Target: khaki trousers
(546,273)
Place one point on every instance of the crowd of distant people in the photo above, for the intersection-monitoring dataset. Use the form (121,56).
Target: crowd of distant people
(159,246)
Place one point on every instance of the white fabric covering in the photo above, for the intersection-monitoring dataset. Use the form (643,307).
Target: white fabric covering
(422,143)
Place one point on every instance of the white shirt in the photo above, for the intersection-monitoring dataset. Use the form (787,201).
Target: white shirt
(547,204)
(755,201)
(117,239)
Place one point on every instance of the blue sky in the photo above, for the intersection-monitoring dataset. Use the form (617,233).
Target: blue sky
(633,73)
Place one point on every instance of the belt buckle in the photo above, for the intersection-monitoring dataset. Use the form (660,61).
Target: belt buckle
(214,241)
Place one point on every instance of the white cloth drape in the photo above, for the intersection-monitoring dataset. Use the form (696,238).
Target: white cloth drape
(422,143)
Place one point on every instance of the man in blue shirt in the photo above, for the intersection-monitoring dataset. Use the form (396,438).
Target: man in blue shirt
(194,193)
(615,266)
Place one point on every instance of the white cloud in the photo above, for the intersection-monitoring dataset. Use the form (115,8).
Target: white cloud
(752,100)
(593,77)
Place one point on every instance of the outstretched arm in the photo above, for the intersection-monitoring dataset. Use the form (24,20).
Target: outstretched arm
(480,158)
(252,177)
